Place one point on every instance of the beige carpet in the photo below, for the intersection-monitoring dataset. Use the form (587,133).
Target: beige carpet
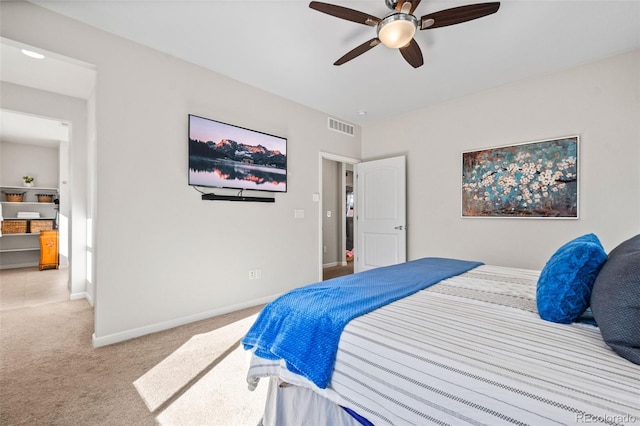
(51,375)
(218,398)
(198,383)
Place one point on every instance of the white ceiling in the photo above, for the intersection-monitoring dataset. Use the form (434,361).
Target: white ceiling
(28,129)
(288,49)
(52,73)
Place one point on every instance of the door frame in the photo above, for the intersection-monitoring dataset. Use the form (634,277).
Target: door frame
(343,160)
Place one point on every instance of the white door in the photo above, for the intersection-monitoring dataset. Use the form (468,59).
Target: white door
(380,225)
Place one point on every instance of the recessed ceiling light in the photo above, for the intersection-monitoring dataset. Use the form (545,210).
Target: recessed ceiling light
(362,112)
(32,54)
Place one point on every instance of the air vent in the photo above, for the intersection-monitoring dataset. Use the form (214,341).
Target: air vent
(341,126)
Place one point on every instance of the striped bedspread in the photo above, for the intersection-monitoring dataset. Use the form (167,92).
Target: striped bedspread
(473,350)
(303,327)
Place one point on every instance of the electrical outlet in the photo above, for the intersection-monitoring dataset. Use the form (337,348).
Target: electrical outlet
(252,274)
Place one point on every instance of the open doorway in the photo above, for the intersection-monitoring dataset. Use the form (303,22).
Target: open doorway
(337,213)
(33,147)
(61,88)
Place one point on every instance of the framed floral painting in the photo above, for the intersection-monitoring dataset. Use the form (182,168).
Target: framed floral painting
(528,180)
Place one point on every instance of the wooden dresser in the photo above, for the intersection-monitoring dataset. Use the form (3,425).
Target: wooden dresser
(49,250)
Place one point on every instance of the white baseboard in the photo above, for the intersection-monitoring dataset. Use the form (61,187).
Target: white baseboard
(19,265)
(82,295)
(332,264)
(166,325)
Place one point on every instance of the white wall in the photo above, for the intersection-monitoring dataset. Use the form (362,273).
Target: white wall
(163,256)
(40,162)
(598,101)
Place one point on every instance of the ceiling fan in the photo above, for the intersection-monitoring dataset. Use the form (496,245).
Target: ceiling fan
(396,30)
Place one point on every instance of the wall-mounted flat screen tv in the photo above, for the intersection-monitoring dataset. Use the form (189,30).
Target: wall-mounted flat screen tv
(222,155)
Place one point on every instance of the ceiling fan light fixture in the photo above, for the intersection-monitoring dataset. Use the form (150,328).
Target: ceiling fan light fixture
(397,30)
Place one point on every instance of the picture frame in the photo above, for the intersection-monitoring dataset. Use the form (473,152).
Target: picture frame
(528,180)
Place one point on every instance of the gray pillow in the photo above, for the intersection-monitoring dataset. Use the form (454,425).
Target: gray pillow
(615,300)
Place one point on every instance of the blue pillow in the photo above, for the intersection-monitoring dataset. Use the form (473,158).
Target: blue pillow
(565,283)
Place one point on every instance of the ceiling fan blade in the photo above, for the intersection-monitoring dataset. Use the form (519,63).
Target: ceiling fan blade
(345,13)
(457,15)
(412,54)
(414,5)
(358,51)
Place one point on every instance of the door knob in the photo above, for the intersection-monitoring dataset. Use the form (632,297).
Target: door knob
(399,228)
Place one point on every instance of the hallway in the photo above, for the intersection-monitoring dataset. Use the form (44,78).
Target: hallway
(337,271)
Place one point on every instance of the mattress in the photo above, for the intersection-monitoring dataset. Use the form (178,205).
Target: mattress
(473,350)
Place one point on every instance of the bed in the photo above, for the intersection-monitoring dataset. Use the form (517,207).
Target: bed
(473,349)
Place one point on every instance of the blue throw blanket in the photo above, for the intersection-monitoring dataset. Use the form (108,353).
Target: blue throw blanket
(303,327)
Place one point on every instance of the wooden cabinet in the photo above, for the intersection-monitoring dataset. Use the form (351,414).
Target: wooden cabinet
(48,250)
(20,247)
